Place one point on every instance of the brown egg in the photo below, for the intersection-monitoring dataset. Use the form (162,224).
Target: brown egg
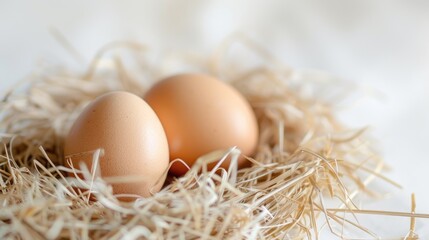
(133,139)
(201,114)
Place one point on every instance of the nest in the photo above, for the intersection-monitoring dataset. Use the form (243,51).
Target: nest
(304,178)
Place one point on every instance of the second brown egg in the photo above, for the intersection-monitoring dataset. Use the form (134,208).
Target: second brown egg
(201,114)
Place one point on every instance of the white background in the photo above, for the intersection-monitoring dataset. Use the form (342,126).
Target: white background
(380,45)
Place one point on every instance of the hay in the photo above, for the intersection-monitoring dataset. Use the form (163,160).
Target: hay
(306,173)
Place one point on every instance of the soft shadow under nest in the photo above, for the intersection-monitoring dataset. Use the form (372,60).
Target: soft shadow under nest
(304,159)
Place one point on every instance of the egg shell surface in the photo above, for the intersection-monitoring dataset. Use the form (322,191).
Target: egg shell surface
(201,114)
(132,137)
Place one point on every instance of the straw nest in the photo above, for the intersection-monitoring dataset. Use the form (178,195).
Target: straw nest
(306,163)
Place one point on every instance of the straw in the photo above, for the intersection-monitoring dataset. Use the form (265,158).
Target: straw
(306,160)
